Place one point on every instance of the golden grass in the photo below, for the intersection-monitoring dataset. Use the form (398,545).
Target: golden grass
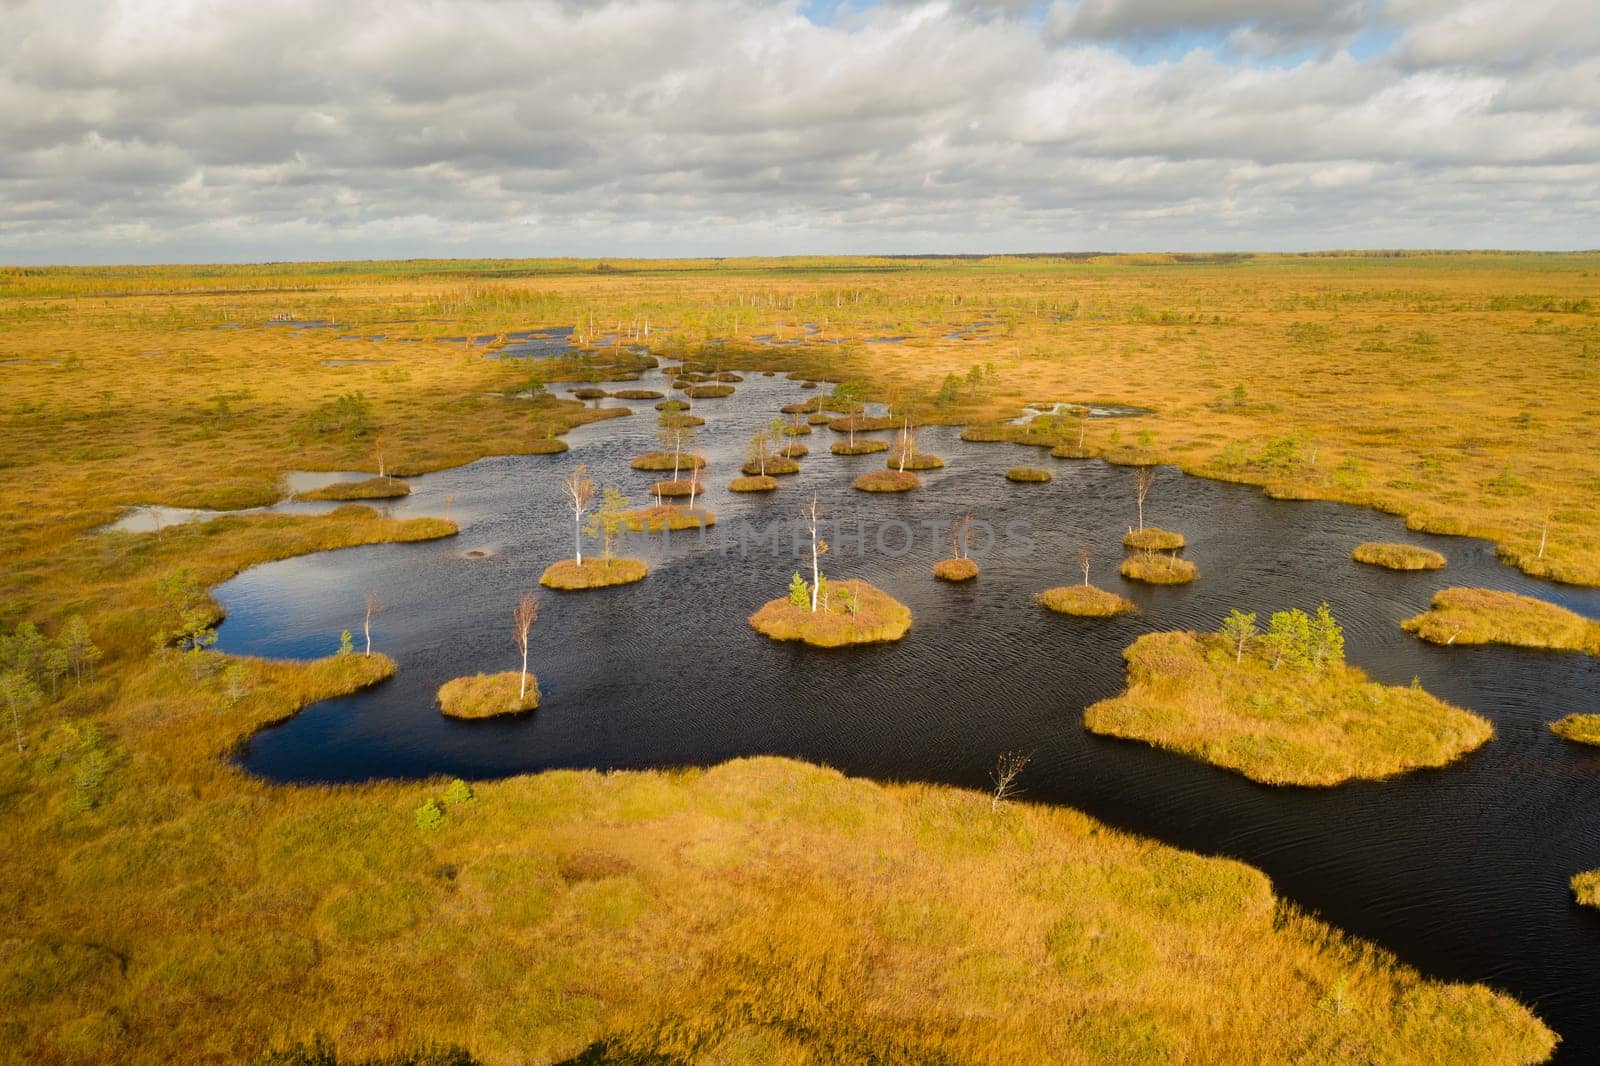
(1586,888)
(1398,556)
(775,466)
(857,613)
(1580,728)
(753,483)
(667,517)
(675,488)
(1028,474)
(373,488)
(568,576)
(658,461)
(1487,616)
(1157,569)
(887,481)
(1086,601)
(862,424)
(1287,726)
(955,569)
(793,450)
(917,461)
(638,394)
(708,392)
(863,446)
(1153,538)
(180,910)
(488,695)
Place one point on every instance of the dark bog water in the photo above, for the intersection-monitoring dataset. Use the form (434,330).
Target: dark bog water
(1462,872)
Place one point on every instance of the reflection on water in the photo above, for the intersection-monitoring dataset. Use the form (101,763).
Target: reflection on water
(1461,871)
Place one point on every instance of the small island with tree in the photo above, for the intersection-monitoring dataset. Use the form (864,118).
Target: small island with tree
(1084,600)
(491,695)
(831,614)
(1281,707)
(570,575)
(959,566)
(1149,539)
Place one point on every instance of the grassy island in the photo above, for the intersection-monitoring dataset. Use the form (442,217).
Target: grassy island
(708,392)
(1028,474)
(1487,616)
(1580,728)
(488,695)
(638,394)
(773,466)
(962,569)
(753,483)
(793,450)
(852,612)
(1296,724)
(676,488)
(1398,556)
(668,518)
(887,481)
(1156,569)
(1085,601)
(916,461)
(568,575)
(372,488)
(657,461)
(1153,539)
(863,424)
(1586,887)
(864,446)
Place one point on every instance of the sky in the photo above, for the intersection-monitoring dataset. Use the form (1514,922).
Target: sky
(221,131)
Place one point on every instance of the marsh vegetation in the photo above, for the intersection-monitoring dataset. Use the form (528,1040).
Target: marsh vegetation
(1398,556)
(1281,706)
(1488,616)
(133,823)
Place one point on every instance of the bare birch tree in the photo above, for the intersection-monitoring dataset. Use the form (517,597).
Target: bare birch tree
(580,491)
(526,613)
(1144,479)
(1086,554)
(1007,769)
(374,606)
(819,548)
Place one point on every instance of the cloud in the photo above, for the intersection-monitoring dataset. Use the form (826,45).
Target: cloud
(1251,25)
(226,130)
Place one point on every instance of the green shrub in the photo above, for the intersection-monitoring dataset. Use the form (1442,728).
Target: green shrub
(430,815)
